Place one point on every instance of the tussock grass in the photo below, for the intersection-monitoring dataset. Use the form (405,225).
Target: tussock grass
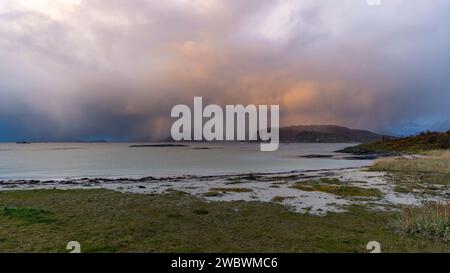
(432,162)
(421,174)
(432,221)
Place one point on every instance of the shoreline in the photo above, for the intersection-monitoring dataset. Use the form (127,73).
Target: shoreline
(277,188)
(138,178)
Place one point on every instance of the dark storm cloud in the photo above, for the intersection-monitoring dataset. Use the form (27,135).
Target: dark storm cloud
(114,68)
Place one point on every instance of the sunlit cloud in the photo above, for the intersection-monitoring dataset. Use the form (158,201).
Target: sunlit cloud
(75,69)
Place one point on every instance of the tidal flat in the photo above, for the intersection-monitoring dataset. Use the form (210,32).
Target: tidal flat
(312,192)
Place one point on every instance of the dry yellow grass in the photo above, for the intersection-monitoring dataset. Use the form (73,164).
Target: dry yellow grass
(432,162)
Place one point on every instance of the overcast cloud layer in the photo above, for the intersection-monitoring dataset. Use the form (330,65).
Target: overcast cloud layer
(88,69)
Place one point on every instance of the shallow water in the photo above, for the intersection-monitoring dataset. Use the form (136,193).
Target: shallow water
(77,160)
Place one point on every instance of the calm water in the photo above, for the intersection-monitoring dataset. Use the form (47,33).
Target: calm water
(76,160)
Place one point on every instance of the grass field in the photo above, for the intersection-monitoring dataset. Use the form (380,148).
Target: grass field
(427,175)
(427,172)
(107,221)
(437,161)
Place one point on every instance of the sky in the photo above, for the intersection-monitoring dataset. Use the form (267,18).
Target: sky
(113,69)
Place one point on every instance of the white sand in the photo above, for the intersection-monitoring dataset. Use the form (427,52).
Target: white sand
(264,188)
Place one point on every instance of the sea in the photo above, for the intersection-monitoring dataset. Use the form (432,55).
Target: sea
(133,160)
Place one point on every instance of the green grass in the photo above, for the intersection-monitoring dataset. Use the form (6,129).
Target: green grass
(107,221)
(201,211)
(213,194)
(432,220)
(336,187)
(27,216)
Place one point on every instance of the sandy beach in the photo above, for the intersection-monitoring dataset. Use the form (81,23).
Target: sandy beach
(272,187)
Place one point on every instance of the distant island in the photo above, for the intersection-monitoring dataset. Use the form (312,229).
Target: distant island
(323,134)
(23,142)
(163,145)
(327,134)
